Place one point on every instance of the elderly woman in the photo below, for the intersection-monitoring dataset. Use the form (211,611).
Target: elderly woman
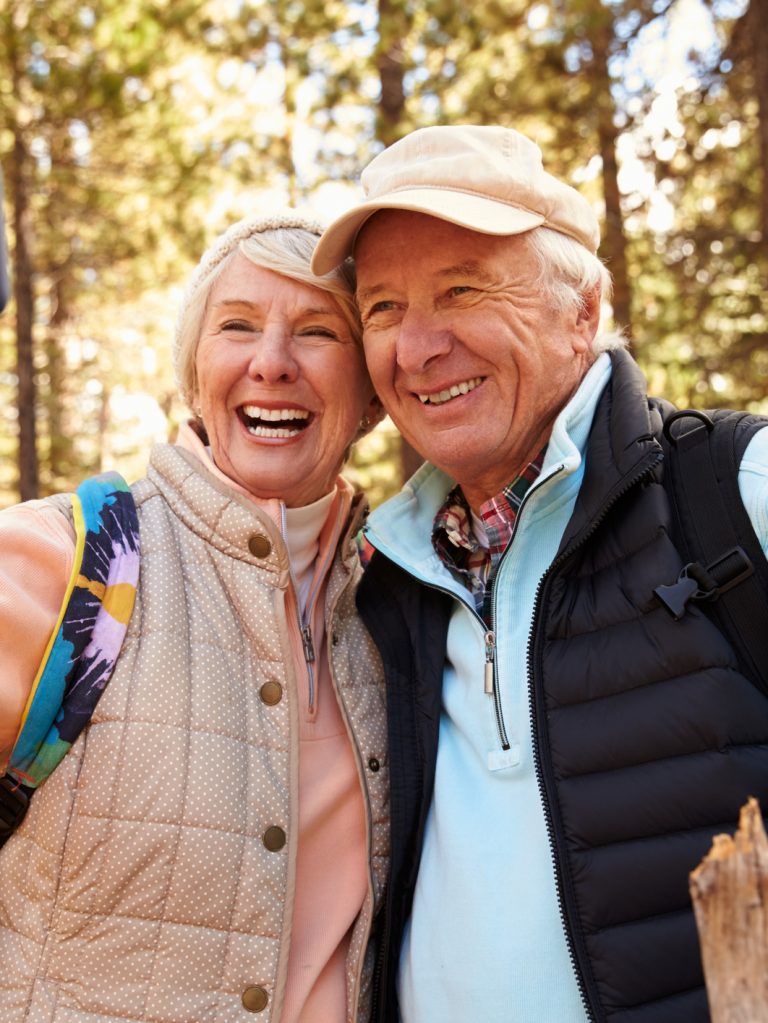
(213,844)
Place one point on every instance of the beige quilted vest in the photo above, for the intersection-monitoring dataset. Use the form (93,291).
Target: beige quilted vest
(141,885)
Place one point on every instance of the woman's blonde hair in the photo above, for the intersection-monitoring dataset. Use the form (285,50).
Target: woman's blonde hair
(284,243)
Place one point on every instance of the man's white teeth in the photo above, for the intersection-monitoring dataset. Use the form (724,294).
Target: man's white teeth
(452,392)
(274,415)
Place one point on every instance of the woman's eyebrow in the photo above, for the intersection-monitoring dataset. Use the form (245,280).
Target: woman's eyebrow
(224,302)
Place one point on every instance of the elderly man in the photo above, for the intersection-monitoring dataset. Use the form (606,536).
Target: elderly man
(563,745)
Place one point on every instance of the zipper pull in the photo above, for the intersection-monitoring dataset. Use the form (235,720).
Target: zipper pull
(306,640)
(490,654)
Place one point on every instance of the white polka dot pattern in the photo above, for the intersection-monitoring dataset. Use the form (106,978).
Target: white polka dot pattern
(139,886)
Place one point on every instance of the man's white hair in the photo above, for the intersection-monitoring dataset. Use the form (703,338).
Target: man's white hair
(567,272)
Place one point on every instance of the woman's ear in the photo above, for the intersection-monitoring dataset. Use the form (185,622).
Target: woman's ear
(372,416)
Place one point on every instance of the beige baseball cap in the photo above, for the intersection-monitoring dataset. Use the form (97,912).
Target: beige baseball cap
(485,178)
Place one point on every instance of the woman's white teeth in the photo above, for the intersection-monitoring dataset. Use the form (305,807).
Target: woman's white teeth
(451,392)
(274,415)
(291,420)
(272,431)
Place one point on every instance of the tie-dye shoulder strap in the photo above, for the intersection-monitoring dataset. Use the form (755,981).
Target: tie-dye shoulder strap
(89,633)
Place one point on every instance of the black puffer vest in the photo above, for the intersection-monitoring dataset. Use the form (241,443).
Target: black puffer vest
(648,738)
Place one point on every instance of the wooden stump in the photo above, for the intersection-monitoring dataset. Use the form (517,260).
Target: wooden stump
(729,889)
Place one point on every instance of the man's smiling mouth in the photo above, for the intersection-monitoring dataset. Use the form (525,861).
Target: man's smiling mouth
(441,397)
(273,422)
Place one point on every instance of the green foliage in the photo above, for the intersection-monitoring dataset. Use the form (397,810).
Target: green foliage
(374,465)
(148,125)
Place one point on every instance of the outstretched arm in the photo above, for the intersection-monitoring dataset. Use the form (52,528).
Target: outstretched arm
(36,554)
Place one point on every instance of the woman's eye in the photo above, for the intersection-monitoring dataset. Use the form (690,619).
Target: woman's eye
(319,332)
(236,325)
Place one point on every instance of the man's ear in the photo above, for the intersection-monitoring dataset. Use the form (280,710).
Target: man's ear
(587,318)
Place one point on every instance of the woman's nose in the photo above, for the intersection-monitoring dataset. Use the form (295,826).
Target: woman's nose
(273,359)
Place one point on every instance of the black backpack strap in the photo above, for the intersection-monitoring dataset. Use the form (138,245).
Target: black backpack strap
(726,569)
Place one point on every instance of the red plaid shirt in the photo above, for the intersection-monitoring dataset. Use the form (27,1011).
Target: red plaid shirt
(459,549)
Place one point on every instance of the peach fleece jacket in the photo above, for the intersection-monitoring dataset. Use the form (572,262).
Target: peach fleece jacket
(331,880)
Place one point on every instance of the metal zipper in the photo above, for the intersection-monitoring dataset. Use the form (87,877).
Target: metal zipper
(304,620)
(490,663)
(589,995)
(492,684)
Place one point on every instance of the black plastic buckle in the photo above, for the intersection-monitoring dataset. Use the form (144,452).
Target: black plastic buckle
(675,597)
(14,803)
(703,584)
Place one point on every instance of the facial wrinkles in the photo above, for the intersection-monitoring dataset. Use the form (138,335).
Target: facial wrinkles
(502,331)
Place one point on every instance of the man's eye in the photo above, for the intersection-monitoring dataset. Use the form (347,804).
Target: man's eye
(460,289)
(384,306)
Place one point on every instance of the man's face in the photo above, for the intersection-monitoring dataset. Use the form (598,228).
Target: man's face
(463,347)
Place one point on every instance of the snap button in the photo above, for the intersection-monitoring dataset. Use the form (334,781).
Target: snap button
(271,693)
(255,998)
(374,764)
(259,546)
(274,838)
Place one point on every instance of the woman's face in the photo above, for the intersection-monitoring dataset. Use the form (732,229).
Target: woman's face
(282,385)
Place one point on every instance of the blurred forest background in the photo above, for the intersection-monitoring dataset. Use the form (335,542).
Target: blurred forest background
(133,131)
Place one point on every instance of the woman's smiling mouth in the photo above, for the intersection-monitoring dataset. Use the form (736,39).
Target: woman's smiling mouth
(273,422)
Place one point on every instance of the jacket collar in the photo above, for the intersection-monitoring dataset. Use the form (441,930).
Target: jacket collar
(621,447)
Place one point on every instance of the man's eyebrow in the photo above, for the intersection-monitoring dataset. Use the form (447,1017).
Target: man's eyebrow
(469,269)
(362,294)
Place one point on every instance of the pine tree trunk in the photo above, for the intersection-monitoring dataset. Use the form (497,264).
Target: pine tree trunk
(389,61)
(393,27)
(614,247)
(24,295)
(730,899)
(758,34)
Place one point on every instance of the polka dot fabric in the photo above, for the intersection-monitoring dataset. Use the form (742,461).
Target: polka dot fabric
(139,886)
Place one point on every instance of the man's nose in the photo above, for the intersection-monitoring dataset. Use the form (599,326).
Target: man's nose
(274,357)
(423,337)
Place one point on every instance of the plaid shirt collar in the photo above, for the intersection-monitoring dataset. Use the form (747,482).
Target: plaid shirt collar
(454,539)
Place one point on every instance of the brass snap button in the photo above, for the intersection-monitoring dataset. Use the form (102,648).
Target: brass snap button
(255,998)
(271,693)
(274,838)
(259,546)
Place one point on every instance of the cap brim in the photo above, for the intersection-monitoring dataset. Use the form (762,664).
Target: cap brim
(465,209)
